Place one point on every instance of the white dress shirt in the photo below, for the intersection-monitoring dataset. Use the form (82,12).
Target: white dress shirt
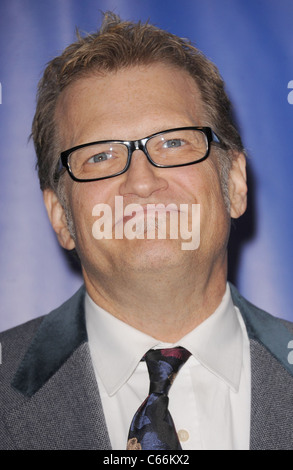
(210,399)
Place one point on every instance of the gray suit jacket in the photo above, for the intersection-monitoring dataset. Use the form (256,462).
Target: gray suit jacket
(50,399)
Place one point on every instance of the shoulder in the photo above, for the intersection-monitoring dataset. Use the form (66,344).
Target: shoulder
(23,331)
(271,333)
(255,316)
(16,342)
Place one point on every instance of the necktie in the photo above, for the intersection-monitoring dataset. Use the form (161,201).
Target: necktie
(152,427)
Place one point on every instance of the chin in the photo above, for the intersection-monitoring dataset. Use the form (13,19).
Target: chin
(154,255)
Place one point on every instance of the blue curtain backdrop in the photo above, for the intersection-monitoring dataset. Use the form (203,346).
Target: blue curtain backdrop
(251,43)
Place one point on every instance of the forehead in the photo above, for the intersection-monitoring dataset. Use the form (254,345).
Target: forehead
(128,104)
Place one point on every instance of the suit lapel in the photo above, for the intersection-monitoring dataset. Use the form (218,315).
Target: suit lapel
(271,378)
(60,406)
(58,336)
(65,413)
(271,402)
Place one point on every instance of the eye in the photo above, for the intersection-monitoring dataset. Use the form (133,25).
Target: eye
(173,143)
(100,157)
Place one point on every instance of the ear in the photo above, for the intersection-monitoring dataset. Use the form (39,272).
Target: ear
(57,218)
(238,186)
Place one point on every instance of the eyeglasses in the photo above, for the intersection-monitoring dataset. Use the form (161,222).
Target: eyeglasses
(168,149)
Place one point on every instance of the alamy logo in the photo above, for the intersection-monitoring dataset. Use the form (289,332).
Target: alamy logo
(150,221)
(290,95)
(290,355)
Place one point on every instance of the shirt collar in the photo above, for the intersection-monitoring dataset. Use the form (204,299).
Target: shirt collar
(117,348)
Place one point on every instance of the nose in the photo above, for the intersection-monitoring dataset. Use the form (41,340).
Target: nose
(142,179)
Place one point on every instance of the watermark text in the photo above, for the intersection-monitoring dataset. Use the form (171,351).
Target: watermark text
(290,355)
(290,95)
(151,221)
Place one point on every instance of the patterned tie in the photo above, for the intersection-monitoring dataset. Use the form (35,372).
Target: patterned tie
(152,427)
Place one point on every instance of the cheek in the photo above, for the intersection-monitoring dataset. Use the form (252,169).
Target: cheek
(204,185)
(215,218)
(83,198)
(200,182)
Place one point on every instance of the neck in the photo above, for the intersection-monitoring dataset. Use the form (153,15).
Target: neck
(166,307)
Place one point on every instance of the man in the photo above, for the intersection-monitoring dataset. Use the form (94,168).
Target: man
(140,118)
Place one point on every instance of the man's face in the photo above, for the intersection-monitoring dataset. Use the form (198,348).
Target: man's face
(129,105)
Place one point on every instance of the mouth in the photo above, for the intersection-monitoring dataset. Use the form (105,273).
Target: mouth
(148,211)
(155,220)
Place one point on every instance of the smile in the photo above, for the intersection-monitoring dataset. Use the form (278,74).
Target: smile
(136,221)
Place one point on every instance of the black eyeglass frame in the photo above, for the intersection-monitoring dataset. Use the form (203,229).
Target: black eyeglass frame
(139,144)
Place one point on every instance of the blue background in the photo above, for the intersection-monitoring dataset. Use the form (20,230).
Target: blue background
(251,43)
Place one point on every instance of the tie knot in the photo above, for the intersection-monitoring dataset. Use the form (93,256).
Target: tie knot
(163,365)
